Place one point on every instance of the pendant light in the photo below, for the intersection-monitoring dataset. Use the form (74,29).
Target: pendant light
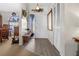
(37,9)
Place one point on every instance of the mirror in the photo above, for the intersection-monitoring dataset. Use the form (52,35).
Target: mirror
(49,20)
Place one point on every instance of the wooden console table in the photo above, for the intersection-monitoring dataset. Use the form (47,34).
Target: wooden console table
(76,39)
(26,38)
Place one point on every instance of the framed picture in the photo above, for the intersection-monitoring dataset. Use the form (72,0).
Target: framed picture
(24,13)
(50,20)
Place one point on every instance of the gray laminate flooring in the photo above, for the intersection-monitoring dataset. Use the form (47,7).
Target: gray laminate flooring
(44,48)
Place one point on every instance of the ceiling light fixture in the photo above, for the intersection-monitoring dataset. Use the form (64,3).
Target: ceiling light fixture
(37,9)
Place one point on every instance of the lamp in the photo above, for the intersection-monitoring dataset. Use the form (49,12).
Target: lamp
(37,9)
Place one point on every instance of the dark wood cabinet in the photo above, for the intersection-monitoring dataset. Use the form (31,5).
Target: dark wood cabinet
(0,35)
(5,31)
(0,28)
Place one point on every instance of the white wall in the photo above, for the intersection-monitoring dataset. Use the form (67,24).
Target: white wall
(68,20)
(10,7)
(66,26)
(6,16)
(7,9)
(71,28)
(58,40)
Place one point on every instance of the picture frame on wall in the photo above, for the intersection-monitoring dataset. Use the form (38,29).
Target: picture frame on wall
(50,20)
(24,13)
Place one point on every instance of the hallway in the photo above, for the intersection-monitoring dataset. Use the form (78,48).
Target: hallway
(45,31)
